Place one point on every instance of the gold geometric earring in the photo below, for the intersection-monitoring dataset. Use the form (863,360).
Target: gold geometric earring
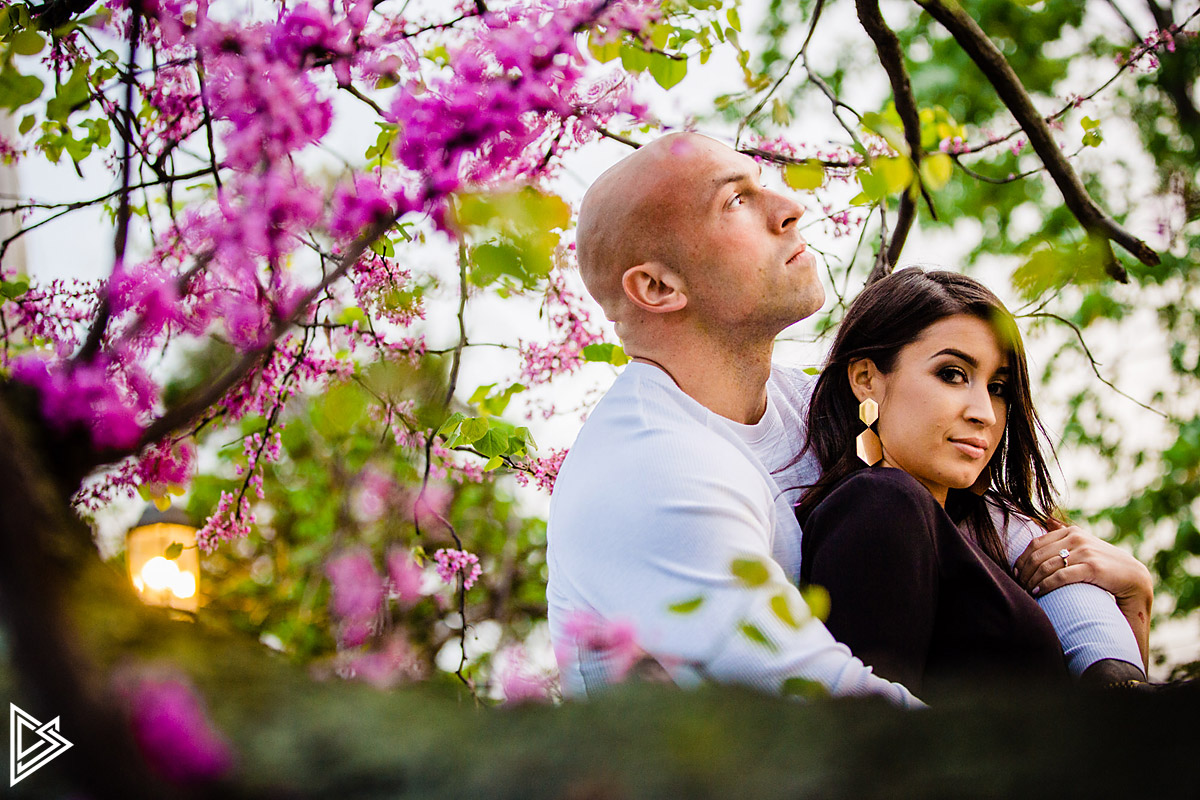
(867,444)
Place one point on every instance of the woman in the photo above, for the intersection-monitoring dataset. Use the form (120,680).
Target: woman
(928,443)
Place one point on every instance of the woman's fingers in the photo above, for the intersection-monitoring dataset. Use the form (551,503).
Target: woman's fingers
(1074,573)
(1043,555)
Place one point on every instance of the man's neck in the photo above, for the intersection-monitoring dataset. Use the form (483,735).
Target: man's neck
(732,385)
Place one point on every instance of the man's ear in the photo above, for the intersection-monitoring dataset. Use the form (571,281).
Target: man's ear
(653,287)
(865,379)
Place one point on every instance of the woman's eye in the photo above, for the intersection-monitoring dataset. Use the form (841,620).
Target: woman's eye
(998,389)
(952,375)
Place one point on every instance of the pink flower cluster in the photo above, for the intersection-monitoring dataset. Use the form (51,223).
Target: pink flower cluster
(99,396)
(507,84)
(230,520)
(164,464)
(614,641)
(542,471)
(572,322)
(519,681)
(384,289)
(457,562)
(359,591)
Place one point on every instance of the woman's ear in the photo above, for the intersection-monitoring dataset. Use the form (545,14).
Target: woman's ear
(865,379)
(654,287)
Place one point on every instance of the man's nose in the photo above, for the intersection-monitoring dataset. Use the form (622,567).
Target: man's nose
(787,212)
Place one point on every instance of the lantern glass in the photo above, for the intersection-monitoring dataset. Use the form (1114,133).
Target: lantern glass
(160,581)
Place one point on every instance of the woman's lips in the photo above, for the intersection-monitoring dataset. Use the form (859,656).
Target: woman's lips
(969,447)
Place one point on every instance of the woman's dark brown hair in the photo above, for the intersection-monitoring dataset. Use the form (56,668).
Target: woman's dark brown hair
(888,315)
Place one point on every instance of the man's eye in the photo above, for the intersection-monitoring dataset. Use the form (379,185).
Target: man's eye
(736,200)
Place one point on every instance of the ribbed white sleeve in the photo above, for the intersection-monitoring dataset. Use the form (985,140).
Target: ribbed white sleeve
(1090,627)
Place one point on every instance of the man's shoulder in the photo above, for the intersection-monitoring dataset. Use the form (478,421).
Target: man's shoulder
(647,439)
(793,379)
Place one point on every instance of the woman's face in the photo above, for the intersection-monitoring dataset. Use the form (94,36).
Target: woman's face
(943,407)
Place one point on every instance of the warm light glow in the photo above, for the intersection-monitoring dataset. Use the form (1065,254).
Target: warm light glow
(159,573)
(184,585)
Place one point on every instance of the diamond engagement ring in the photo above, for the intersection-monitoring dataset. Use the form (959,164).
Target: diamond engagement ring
(1063,554)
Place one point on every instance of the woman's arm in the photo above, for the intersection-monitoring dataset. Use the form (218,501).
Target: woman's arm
(1041,569)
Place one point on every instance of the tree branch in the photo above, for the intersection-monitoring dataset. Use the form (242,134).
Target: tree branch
(1102,228)
(892,58)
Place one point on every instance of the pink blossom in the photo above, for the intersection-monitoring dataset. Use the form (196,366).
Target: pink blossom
(91,394)
(614,641)
(173,730)
(457,562)
(543,471)
(357,587)
(226,522)
(404,577)
(518,680)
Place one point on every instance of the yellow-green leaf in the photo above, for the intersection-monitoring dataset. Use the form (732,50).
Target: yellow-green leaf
(817,600)
(804,177)
(686,606)
(895,171)
(750,571)
(755,634)
(782,608)
(936,169)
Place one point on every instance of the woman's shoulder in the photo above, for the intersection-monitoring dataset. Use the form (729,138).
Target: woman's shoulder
(873,496)
(887,483)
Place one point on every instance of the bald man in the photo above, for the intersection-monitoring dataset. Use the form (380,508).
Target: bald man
(672,512)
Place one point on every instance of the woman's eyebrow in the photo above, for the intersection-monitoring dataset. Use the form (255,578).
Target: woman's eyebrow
(952,351)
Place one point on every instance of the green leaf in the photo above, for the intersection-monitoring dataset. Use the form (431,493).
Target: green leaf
(352,314)
(27,43)
(493,463)
(605,352)
(27,124)
(889,127)
(604,52)
(492,443)
(173,551)
(734,22)
(71,96)
(472,429)
(750,571)
(812,370)
(451,424)
(14,288)
(817,600)
(667,71)
(802,687)
(686,606)
(755,634)
(16,89)
(804,177)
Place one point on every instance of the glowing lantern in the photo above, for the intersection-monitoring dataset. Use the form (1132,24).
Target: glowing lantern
(161,580)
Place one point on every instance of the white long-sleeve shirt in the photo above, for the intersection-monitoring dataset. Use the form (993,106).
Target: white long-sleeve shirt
(659,496)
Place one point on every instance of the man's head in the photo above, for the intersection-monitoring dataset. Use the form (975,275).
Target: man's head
(681,234)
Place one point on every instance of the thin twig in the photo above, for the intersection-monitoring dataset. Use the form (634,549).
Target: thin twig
(1092,359)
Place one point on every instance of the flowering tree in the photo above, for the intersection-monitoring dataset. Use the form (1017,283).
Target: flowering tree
(246,276)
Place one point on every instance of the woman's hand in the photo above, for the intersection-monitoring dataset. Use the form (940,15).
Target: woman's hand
(1041,569)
